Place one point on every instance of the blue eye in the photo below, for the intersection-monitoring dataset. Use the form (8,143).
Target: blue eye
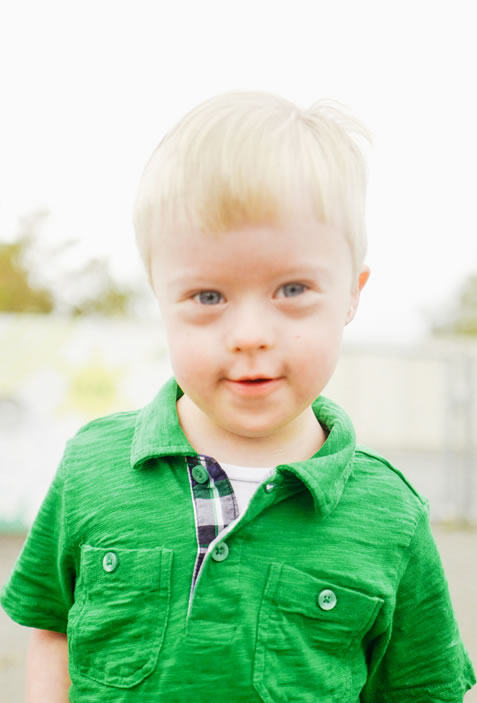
(293,289)
(208,297)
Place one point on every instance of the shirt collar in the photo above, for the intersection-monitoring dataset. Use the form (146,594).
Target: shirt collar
(326,473)
(158,433)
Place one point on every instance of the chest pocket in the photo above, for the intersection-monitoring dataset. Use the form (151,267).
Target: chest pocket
(309,632)
(117,623)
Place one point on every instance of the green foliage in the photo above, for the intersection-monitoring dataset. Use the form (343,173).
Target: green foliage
(25,286)
(17,294)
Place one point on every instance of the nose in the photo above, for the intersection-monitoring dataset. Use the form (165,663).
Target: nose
(250,330)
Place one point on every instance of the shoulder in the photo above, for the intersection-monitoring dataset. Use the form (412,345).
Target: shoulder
(378,465)
(390,496)
(95,472)
(102,440)
(116,422)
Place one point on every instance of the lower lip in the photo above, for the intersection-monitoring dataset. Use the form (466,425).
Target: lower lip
(257,388)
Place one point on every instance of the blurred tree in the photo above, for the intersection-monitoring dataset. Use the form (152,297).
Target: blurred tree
(92,291)
(461,316)
(27,285)
(17,293)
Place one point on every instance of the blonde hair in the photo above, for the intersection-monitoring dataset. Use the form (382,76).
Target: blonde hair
(255,158)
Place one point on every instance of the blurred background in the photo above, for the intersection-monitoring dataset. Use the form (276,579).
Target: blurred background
(88,90)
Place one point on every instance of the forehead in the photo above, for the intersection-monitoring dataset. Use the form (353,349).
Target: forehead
(250,251)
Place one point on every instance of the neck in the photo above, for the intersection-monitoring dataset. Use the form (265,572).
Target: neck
(297,442)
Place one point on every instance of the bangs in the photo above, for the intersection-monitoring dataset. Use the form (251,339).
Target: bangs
(254,159)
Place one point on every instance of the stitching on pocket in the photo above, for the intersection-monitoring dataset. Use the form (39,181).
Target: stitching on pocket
(106,666)
(284,630)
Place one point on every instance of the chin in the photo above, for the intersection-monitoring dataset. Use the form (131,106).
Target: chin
(252,431)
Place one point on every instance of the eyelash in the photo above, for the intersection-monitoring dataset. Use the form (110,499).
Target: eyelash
(206,292)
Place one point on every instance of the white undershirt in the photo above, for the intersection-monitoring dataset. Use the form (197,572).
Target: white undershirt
(245,481)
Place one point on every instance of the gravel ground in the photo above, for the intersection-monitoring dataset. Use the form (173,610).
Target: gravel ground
(458,549)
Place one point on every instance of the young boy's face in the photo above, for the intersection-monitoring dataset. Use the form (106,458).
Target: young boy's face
(254,318)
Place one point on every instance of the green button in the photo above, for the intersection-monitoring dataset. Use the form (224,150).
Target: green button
(327,600)
(220,551)
(200,474)
(110,562)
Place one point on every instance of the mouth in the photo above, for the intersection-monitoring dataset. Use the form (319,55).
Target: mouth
(257,385)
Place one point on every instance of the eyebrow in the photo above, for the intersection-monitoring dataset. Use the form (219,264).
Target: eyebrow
(291,272)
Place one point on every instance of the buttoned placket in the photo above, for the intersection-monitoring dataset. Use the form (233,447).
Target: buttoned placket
(267,489)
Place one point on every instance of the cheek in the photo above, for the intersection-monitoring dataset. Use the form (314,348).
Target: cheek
(318,346)
(188,363)
(177,349)
(322,331)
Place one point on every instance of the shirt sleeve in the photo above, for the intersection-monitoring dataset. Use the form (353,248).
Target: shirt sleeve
(422,658)
(39,592)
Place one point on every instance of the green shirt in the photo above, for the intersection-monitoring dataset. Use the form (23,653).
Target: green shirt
(328,588)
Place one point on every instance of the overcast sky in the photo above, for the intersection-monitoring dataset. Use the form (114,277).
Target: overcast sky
(88,89)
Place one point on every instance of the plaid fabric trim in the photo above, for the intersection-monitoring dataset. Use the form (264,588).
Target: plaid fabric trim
(215,505)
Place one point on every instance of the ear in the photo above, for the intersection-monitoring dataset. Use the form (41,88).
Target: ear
(362,280)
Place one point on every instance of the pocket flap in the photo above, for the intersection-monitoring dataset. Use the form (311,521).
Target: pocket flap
(119,568)
(322,599)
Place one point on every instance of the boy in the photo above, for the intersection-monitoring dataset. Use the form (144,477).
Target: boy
(229,541)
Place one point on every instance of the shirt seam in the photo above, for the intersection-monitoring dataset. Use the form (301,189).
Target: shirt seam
(406,556)
(361,449)
(417,692)
(18,616)
(63,468)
